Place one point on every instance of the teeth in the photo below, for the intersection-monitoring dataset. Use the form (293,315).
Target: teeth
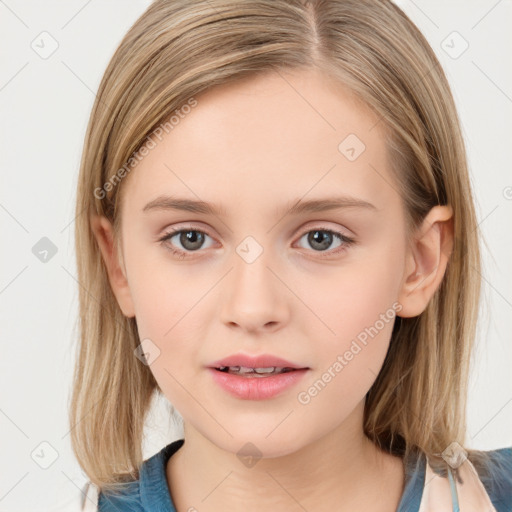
(244,370)
(267,370)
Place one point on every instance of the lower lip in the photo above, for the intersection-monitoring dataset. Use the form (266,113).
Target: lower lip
(256,388)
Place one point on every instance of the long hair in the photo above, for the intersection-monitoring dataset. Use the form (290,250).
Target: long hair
(180,48)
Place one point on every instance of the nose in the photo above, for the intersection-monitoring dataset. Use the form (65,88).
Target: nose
(254,297)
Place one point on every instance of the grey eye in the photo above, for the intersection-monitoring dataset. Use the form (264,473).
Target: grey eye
(190,239)
(321,239)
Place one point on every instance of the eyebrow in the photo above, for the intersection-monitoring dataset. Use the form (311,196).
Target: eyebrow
(294,207)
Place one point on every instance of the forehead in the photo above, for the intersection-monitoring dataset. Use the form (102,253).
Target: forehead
(267,139)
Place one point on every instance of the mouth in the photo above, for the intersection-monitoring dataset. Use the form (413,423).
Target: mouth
(253,365)
(256,383)
(250,372)
(256,377)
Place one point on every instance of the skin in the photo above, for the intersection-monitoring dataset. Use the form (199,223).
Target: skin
(255,147)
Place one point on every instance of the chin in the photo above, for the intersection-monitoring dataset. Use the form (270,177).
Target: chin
(251,447)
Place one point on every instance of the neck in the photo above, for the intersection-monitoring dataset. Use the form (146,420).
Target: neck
(342,471)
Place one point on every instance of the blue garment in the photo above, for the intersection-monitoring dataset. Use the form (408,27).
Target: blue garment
(151,493)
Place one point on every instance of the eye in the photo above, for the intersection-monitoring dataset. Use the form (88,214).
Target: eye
(191,240)
(322,239)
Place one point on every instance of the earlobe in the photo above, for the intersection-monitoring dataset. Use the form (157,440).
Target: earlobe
(426,261)
(104,234)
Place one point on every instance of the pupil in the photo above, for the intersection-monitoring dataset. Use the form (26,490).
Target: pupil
(195,237)
(327,239)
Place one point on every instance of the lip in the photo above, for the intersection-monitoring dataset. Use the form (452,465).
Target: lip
(259,361)
(257,388)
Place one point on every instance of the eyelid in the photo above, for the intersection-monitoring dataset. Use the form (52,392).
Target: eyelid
(185,227)
(322,226)
(311,226)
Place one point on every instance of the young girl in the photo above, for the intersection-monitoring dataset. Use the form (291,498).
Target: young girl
(276,232)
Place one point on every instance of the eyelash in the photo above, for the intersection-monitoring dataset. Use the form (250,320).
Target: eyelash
(347,241)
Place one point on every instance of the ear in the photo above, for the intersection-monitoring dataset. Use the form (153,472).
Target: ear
(104,234)
(426,261)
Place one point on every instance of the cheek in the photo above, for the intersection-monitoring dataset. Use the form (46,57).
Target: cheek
(175,323)
(358,297)
(165,293)
(350,360)
(169,313)
(169,306)
(358,309)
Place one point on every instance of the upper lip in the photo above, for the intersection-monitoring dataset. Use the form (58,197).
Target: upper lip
(260,361)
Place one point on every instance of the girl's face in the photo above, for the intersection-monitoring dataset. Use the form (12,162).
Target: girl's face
(257,271)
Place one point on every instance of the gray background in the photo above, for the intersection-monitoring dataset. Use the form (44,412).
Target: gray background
(45,102)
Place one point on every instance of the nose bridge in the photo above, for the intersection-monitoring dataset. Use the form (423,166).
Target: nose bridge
(252,280)
(254,297)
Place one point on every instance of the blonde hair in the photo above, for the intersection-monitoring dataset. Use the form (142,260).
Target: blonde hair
(180,48)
